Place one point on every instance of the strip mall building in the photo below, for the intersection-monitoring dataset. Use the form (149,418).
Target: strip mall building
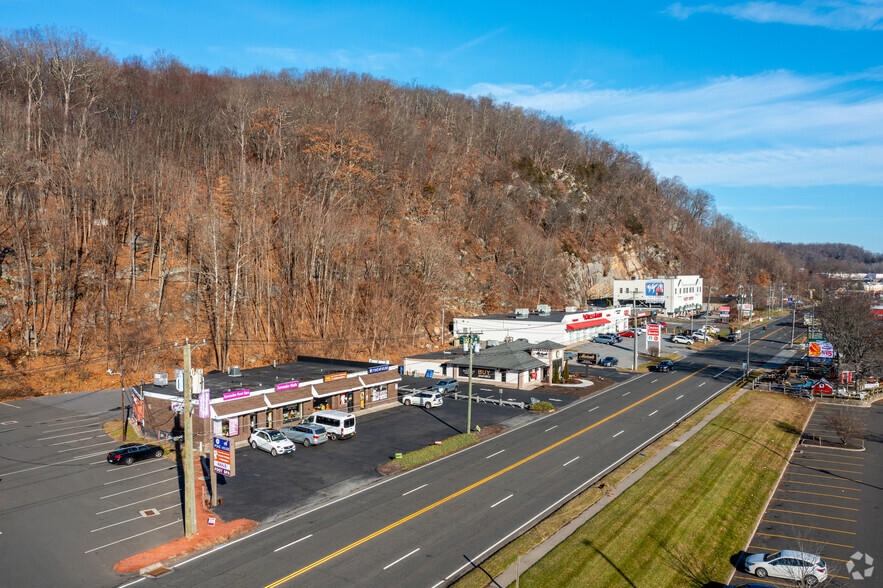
(268,396)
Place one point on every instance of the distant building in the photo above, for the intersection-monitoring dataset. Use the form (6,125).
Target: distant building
(674,296)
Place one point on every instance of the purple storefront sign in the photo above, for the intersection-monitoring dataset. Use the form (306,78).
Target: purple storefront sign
(236,394)
(204,398)
(287,386)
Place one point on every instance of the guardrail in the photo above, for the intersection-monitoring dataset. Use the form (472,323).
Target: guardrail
(488,400)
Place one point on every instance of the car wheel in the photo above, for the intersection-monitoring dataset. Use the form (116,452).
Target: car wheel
(129,460)
(332,436)
(306,442)
(158,453)
(273,452)
(254,445)
(407,402)
(811,580)
(760,572)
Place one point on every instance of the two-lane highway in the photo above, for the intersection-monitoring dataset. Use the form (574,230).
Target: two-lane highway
(426,527)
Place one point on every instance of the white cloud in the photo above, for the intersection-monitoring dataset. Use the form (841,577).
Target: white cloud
(832,14)
(775,128)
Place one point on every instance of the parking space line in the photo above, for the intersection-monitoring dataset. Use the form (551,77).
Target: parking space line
(140,475)
(175,479)
(809,540)
(767,549)
(813,515)
(816,504)
(138,502)
(111,442)
(68,428)
(46,465)
(827,477)
(809,527)
(819,494)
(858,457)
(858,465)
(823,485)
(133,536)
(765,580)
(138,518)
(73,440)
(60,436)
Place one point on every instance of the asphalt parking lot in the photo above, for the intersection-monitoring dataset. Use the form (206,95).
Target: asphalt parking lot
(267,487)
(827,503)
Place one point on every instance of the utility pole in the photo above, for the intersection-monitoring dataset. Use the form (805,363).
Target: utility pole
(187,451)
(123,418)
(793,317)
(635,325)
(471,339)
(751,304)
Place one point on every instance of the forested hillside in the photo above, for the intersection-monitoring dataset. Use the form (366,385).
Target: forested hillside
(302,212)
(832,257)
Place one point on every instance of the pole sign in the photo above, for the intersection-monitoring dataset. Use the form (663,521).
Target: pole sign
(223,456)
(653,332)
(204,400)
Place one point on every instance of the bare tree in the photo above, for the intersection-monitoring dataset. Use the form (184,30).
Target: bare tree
(848,423)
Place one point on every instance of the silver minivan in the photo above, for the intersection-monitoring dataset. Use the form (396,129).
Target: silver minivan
(338,425)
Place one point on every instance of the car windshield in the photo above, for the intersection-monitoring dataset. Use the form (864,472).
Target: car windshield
(276,436)
(772,556)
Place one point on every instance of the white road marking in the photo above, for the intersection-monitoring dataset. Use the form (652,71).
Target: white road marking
(133,536)
(654,381)
(497,453)
(620,433)
(401,558)
(72,441)
(679,397)
(138,502)
(415,489)
(292,543)
(64,435)
(138,476)
(719,373)
(10,405)
(570,462)
(138,518)
(556,400)
(596,408)
(702,384)
(46,465)
(175,479)
(652,413)
(627,393)
(502,501)
(550,428)
(73,427)
(111,442)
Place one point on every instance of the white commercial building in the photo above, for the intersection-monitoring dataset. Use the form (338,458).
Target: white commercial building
(565,327)
(677,295)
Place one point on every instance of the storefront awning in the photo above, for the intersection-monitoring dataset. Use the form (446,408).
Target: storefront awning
(238,407)
(587,324)
(380,378)
(333,387)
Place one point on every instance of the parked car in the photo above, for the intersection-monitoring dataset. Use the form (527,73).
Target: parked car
(271,441)
(628,333)
(606,339)
(682,340)
(338,425)
(569,356)
(640,330)
(791,565)
(306,435)
(609,361)
(132,452)
(663,324)
(698,336)
(616,336)
(427,398)
(666,365)
(445,386)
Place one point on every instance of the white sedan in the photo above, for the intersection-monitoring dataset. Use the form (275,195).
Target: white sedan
(423,398)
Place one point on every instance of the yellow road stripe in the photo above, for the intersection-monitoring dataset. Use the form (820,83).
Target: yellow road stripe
(823,485)
(809,514)
(814,452)
(765,580)
(818,494)
(767,335)
(815,504)
(809,527)
(825,476)
(438,503)
(858,465)
(827,469)
(810,540)
(767,549)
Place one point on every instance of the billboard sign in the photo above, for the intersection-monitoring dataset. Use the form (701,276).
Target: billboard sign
(821,349)
(654,289)
(221,456)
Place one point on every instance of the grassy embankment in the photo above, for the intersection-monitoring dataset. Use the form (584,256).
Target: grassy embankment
(682,522)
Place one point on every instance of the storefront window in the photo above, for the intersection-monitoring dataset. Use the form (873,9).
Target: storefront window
(379,393)
(225,428)
(290,413)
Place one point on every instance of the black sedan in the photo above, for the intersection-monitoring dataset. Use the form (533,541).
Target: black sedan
(132,452)
(666,365)
(609,361)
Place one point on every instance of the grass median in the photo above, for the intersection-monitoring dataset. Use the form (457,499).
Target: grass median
(682,522)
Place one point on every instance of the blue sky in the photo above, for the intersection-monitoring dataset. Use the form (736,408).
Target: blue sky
(773,107)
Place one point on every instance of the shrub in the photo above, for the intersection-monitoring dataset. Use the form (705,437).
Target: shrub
(450,445)
(556,378)
(565,374)
(542,406)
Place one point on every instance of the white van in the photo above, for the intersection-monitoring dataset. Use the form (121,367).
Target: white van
(338,425)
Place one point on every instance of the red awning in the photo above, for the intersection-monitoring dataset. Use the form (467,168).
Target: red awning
(587,324)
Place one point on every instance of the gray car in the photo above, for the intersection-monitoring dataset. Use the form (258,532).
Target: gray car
(446,385)
(306,435)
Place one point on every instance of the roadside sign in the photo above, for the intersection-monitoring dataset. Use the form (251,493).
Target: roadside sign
(223,456)
(653,332)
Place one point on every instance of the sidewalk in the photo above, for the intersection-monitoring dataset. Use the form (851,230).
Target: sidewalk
(534,555)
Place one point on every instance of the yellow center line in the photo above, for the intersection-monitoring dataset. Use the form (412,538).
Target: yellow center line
(810,540)
(815,504)
(809,514)
(808,527)
(767,335)
(823,485)
(434,505)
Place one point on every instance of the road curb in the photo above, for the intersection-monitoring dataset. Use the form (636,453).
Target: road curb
(509,575)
